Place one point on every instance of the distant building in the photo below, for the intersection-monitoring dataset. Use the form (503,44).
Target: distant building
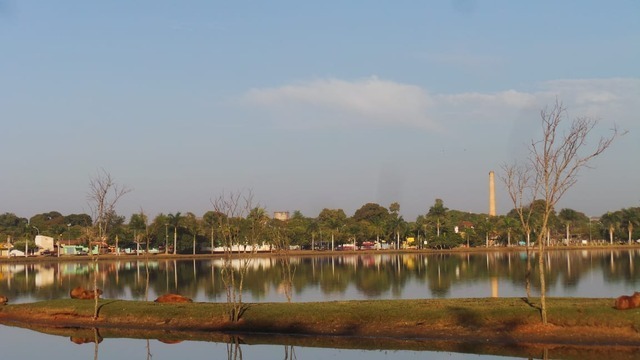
(281,215)
(45,243)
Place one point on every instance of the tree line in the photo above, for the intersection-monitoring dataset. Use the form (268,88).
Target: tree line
(438,228)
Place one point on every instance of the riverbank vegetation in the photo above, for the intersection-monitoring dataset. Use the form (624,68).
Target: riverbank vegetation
(370,224)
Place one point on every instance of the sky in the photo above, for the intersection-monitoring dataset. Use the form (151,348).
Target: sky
(308,104)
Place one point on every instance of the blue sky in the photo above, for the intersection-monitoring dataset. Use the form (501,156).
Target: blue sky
(308,104)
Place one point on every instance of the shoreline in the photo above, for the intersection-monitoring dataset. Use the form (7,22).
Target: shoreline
(506,321)
(312,253)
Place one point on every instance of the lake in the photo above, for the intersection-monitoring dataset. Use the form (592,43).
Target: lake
(570,273)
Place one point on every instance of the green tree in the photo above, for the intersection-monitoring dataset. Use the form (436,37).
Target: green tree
(421,224)
(568,217)
(630,218)
(78,220)
(372,212)
(298,228)
(370,220)
(175,221)
(331,220)
(50,223)
(437,213)
(190,222)
(159,231)
(396,222)
(138,224)
(12,226)
(509,224)
(211,220)
(256,225)
(611,221)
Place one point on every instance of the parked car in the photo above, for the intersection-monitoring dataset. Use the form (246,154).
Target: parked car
(16,252)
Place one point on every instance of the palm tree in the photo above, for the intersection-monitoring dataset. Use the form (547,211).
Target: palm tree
(138,223)
(437,212)
(191,222)
(396,222)
(509,223)
(630,217)
(610,220)
(175,220)
(568,218)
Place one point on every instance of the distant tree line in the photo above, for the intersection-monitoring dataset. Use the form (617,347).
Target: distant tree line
(438,228)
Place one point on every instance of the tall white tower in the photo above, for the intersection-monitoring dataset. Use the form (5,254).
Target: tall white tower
(492,194)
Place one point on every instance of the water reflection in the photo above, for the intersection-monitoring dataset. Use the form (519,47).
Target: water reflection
(118,344)
(594,273)
(234,350)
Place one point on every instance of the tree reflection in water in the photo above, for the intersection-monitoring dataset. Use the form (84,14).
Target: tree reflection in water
(94,338)
(97,341)
(377,275)
(289,353)
(234,350)
(288,271)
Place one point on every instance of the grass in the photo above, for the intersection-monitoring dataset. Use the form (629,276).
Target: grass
(329,317)
(502,326)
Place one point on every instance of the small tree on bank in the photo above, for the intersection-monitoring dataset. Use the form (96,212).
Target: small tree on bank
(102,198)
(550,170)
(237,214)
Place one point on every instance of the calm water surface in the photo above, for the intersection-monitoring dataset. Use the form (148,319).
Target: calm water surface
(25,344)
(595,273)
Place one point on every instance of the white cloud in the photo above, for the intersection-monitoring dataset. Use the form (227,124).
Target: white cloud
(609,99)
(370,100)
(376,102)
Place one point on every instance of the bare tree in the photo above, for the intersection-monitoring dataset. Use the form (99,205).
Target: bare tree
(520,187)
(550,170)
(240,226)
(518,180)
(104,193)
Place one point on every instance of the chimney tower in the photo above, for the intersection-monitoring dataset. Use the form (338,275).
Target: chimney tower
(492,194)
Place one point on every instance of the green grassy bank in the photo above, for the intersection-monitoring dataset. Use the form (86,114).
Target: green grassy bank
(506,326)
(387,318)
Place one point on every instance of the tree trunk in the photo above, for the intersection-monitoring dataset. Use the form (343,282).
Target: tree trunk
(175,239)
(527,275)
(611,235)
(543,288)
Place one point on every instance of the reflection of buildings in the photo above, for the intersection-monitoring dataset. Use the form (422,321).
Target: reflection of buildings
(74,268)
(45,276)
(377,275)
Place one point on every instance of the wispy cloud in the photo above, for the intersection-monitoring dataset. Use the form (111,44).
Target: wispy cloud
(370,100)
(377,102)
(611,99)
